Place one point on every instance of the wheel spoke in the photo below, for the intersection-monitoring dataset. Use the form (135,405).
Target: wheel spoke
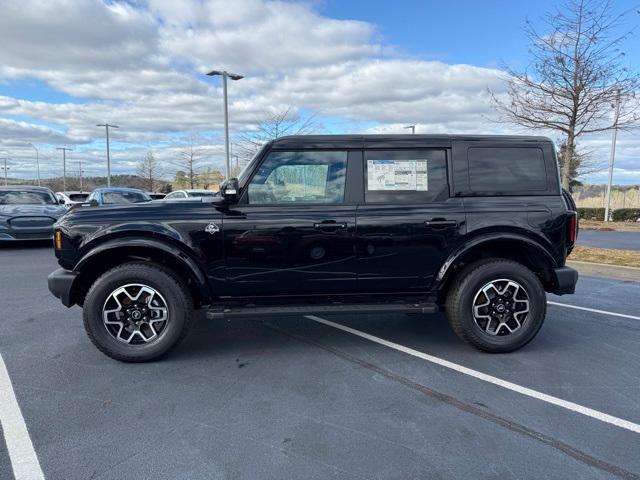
(135,314)
(500,307)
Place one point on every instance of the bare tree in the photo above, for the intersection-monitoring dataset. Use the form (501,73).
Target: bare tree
(189,159)
(278,124)
(150,170)
(576,76)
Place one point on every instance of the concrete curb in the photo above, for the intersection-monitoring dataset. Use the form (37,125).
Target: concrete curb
(616,272)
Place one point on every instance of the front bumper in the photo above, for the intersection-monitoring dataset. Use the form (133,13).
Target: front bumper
(564,281)
(61,284)
(10,236)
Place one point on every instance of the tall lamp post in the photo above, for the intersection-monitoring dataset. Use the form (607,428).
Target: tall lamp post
(612,157)
(107,126)
(64,166)
(5,168)
(37,161)
(233,76)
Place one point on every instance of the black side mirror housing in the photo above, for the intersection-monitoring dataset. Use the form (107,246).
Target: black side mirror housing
(229,190)
(61,201)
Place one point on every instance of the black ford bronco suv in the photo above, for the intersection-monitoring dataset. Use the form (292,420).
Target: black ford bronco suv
(476,226)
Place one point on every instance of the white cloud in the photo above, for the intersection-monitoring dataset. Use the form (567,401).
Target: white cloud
(142,68)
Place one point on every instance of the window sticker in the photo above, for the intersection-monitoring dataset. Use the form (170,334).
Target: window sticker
(397,175)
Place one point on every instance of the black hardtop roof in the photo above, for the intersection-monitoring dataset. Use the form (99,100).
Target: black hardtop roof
(392,141)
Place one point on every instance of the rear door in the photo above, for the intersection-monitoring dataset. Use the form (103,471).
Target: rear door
(408,224)
(292,233)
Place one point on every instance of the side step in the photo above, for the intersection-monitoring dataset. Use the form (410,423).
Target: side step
(298,310)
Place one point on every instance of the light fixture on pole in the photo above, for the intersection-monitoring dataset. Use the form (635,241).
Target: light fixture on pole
(107,126)
(5,168)
(233,76)
(412,127)
(37,161)
(64,166)
(612,157)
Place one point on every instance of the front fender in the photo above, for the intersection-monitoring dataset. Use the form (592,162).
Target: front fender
(143,243)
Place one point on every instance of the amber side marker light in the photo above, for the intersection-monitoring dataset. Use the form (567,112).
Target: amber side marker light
(57,240)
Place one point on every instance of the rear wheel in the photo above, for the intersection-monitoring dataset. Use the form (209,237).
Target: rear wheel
(496,305)
(137,312)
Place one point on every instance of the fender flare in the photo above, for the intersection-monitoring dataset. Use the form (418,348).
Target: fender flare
(178,254)
(445,269)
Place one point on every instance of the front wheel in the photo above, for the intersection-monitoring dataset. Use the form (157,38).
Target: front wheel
(137,312)
(496,305)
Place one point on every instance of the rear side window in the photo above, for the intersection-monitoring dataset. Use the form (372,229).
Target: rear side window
(405,176)
(508,170)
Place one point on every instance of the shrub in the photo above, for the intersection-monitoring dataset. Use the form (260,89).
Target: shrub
(591,213)
(626,215)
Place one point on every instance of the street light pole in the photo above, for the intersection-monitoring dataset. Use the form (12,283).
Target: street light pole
(233,76)
(106,128)
(37,161)
(413,129)
(64,166)
(612,157)
(5,168)
(80,166)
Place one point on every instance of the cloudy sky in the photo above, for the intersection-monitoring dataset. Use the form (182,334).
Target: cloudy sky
(357,66)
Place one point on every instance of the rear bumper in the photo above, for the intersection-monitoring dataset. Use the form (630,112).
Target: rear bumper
(60,284)
(564,281)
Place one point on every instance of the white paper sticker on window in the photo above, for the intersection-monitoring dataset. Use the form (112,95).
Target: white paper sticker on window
(397,175)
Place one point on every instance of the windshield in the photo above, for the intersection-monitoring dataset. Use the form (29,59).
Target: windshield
(26,197)
(201,194)
(244,173)
(124,197)
(78,197)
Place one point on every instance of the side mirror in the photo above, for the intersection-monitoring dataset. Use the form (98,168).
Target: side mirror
(61,201)
(229,190)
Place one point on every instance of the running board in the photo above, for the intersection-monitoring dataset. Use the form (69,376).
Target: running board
(298,310)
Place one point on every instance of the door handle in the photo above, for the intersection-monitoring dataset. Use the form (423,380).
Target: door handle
(441,223)
(328,226)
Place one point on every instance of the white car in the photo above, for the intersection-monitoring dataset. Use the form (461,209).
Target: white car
(178,194)
(70,198)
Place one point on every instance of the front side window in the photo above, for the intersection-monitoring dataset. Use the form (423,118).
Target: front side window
(300,177)
(496,170)
(405,176)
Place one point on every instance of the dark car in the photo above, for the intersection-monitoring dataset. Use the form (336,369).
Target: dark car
(28,213)
(476,226)
(117,196)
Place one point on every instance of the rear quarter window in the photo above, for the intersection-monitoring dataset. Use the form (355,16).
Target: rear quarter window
(506,170)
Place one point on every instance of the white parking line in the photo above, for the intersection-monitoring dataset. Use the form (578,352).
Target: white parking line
(24,460)
(594,310)
(574,407)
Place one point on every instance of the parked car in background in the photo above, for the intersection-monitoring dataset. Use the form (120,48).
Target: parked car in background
(474,226)
(156,195)
(28,213)
(192,193)
(118,196)
(71,198)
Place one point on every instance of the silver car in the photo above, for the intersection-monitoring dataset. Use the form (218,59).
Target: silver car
(28,213)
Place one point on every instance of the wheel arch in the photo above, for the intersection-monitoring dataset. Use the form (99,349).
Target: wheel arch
(117,251)
(511,246)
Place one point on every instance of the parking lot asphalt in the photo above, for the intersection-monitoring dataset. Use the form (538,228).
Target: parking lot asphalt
(606,239)
(297,398)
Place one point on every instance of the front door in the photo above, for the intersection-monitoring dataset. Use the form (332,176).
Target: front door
(292,232)
(408,224)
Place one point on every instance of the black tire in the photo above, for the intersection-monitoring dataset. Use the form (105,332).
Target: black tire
(460,298)
(179,306)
